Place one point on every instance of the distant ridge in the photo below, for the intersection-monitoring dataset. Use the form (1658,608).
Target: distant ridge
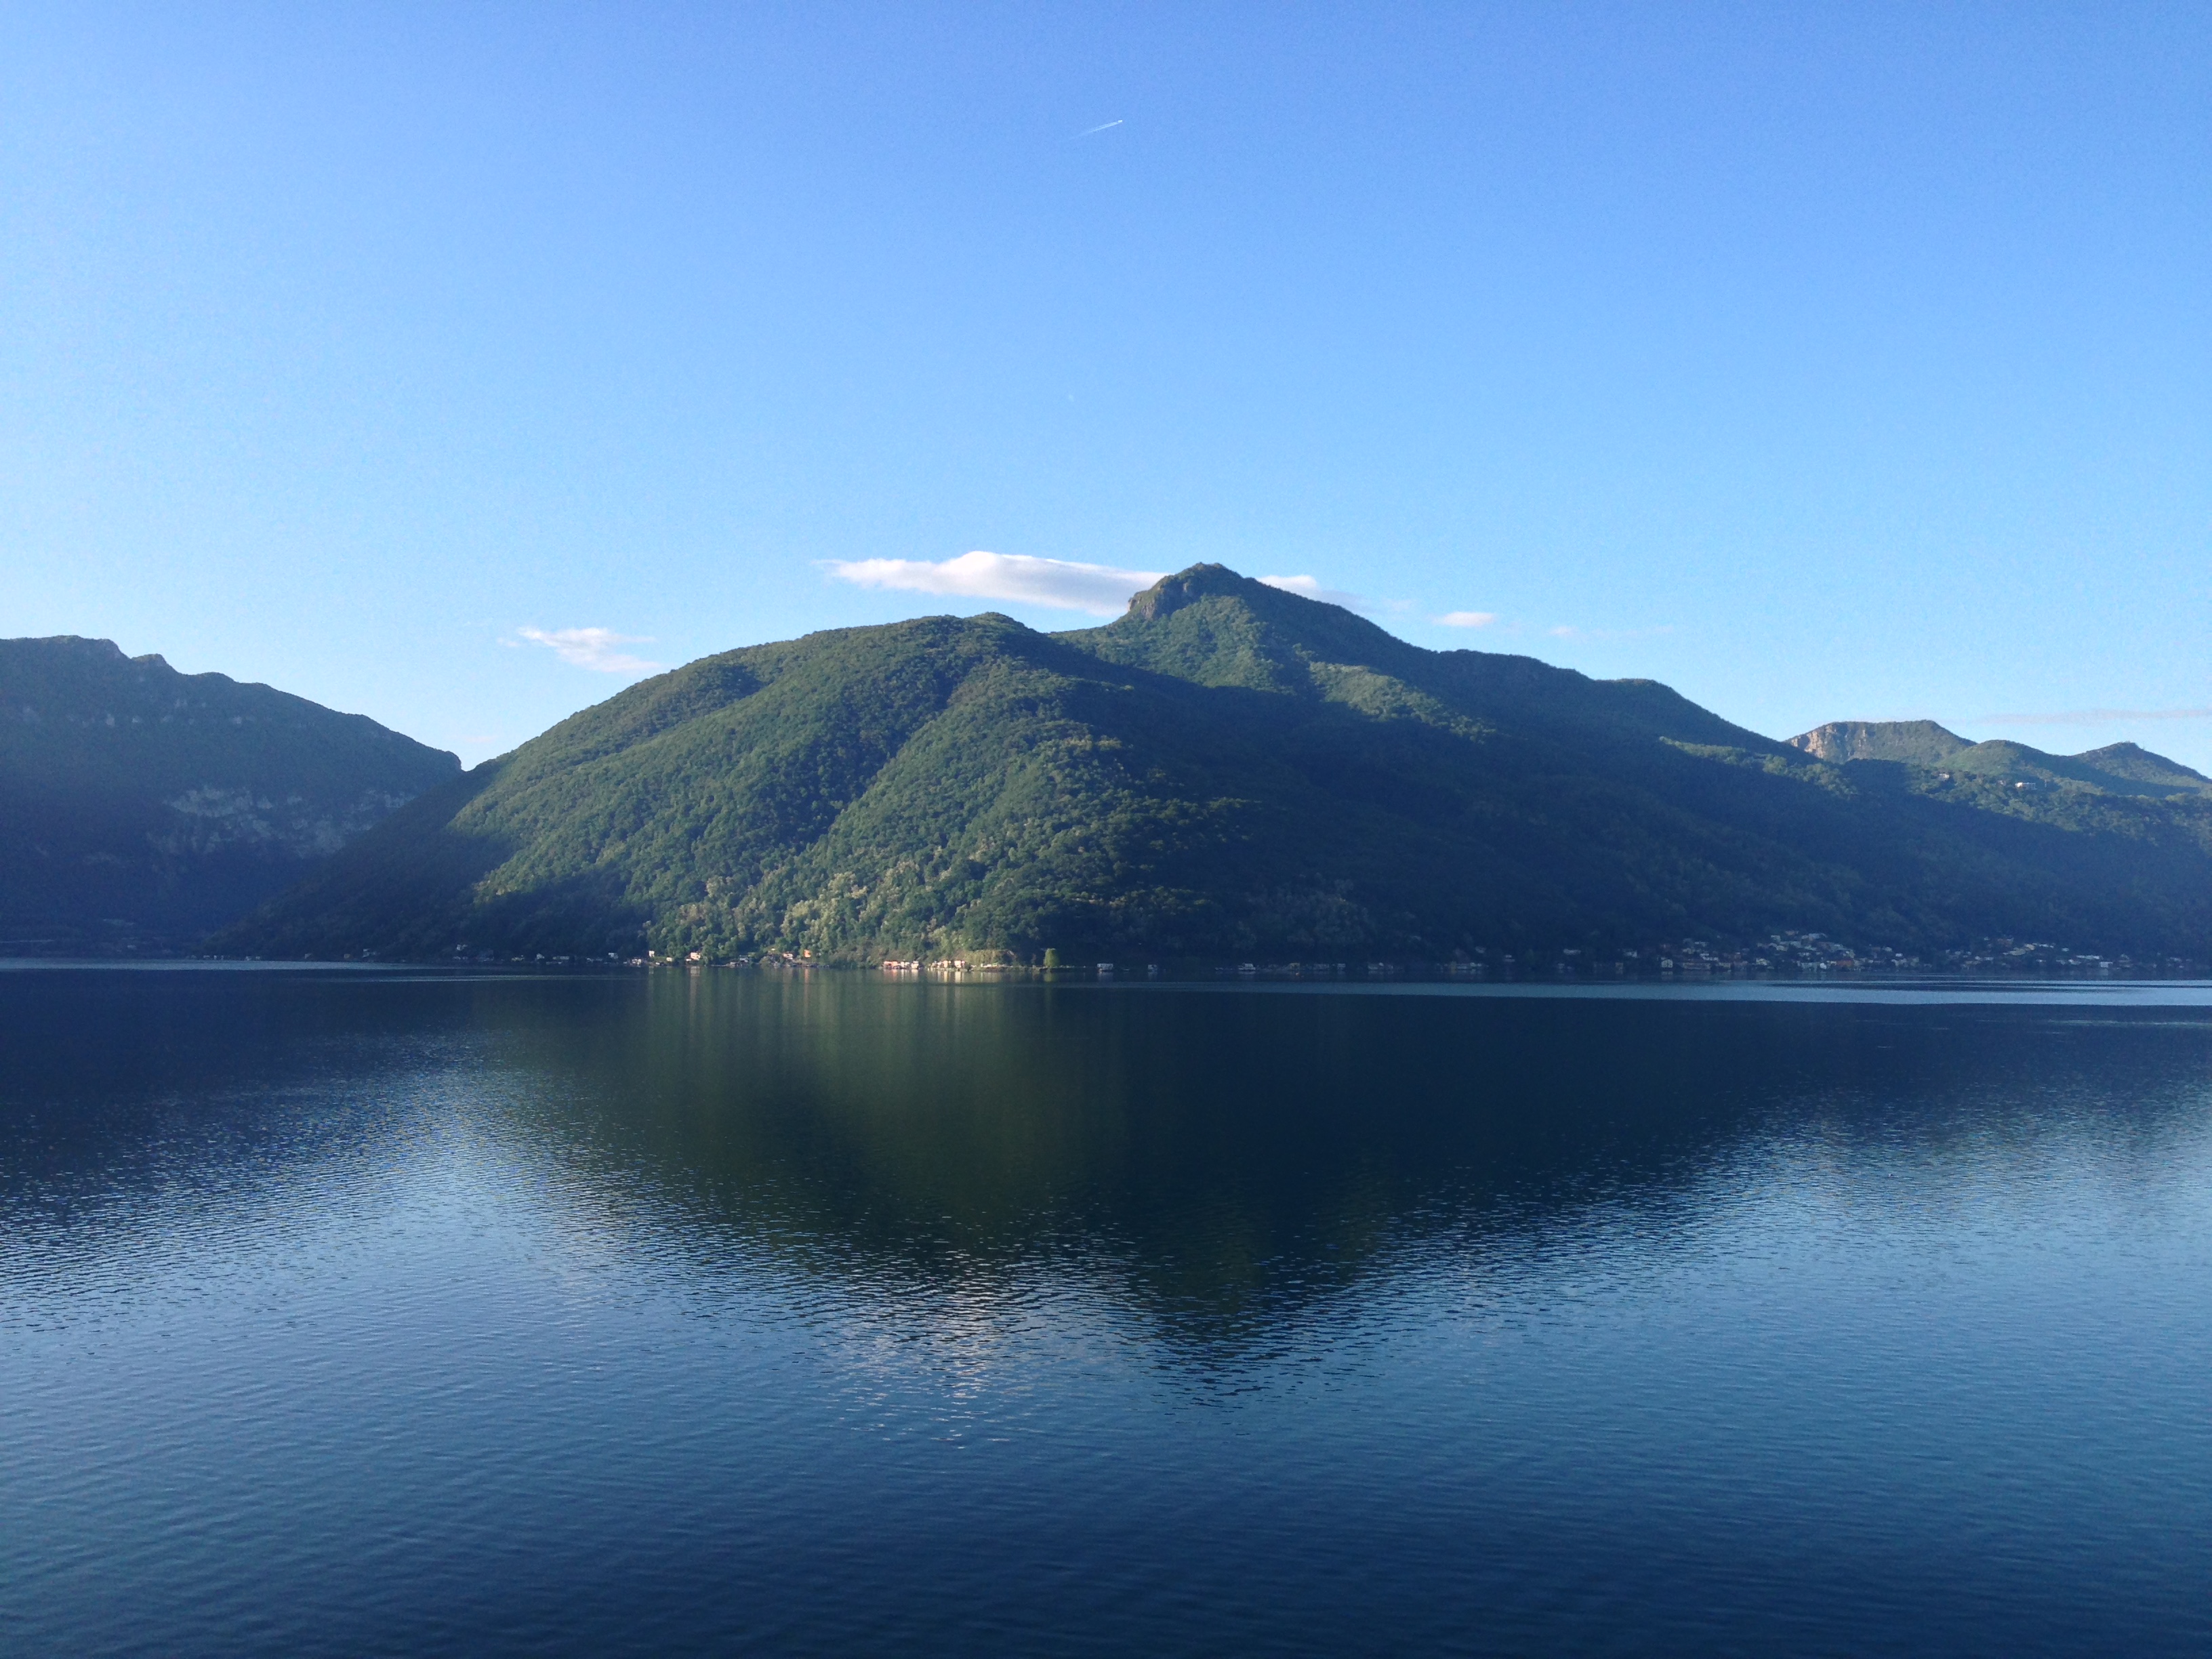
(1922,741)
(1229,770)
(2120,768)
(2126,760)
(141,807)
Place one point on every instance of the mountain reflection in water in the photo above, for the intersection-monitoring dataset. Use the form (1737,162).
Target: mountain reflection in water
(347,1312)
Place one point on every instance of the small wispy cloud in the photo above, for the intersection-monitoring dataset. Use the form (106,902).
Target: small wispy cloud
(595,648)
(1100,590)
(1310,587)
(1467,618)
(2097,717)
(1101,127)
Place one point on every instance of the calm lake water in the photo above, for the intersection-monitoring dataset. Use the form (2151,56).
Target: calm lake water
(388,1313)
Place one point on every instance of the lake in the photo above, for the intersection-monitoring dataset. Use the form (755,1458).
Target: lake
(419,1313)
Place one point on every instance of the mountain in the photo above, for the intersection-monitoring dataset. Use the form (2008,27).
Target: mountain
(141,806)
(2117,768)
(1226,770)
(2119,763)
(1921,741)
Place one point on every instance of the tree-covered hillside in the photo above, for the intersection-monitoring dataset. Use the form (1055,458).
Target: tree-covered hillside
(1226,770)
(140,806)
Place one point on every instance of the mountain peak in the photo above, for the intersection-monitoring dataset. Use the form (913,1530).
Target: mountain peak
(1895,740)
(1213,626)
(1200,581)
(63,646)
(2133,762)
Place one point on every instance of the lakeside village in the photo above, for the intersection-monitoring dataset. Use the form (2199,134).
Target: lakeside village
(1787,954)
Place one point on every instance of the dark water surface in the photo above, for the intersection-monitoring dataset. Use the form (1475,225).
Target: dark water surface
(400,1314)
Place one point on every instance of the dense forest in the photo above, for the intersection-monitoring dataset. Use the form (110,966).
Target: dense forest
(1229,770)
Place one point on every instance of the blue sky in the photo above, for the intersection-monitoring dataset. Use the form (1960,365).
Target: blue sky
(448,364)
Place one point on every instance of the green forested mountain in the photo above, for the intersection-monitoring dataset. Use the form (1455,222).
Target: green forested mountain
(1229,770)
(140,806)
(2120,769)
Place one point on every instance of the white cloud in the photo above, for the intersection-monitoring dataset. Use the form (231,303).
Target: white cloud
(1057,584)
(1467,618)
(1310,587)
(593,648)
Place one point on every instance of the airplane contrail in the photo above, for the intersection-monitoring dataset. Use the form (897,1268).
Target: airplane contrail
(1101,127)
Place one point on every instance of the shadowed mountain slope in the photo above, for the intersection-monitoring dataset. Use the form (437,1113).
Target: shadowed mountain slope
(1227,769)
(140,804)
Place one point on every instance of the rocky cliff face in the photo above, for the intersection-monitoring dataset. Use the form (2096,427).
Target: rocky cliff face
(1923,742)
(212,819)
(1186,587)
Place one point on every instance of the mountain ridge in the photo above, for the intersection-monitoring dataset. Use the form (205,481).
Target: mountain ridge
(2125,768)
(1226,770)
(144,806)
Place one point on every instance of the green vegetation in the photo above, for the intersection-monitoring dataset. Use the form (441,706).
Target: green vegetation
(2119,768)
(140,806)
(1227,771)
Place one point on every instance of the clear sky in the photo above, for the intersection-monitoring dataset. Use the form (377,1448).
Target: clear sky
(1833,362)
